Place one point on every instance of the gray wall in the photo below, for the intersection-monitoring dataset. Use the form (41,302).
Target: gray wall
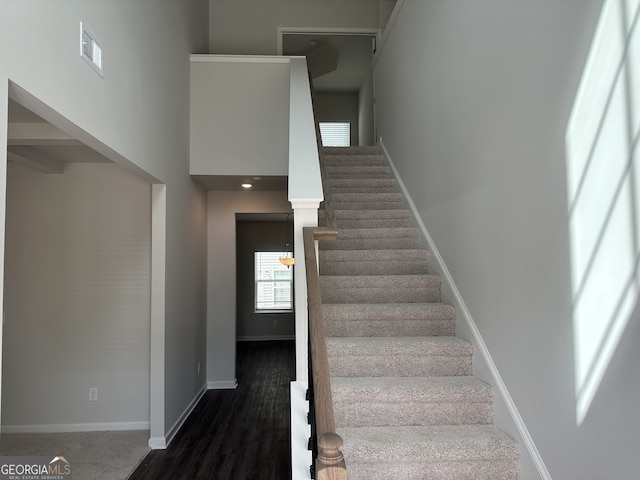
(221,267)
(77,299)
(366,128)
(473,104)
(138,115)
(338,107)
(259,236)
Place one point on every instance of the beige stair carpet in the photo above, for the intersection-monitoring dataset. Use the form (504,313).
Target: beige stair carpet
(406,403)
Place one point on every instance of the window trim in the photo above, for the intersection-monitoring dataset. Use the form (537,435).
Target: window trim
(257,281)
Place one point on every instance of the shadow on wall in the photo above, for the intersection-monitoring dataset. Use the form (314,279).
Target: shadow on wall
(604,197)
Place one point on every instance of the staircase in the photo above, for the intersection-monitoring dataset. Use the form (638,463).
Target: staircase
(405,401)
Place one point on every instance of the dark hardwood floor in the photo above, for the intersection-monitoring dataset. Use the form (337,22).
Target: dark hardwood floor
(235,434)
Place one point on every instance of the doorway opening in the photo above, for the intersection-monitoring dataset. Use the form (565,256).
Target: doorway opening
(77,290)
(341,68)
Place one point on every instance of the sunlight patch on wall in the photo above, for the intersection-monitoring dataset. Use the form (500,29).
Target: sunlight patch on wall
(603,193)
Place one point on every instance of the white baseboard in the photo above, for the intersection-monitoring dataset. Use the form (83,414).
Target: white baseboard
(157,443)
(76,427)
(187,411)
(463,311)
(265,338)
(222,385)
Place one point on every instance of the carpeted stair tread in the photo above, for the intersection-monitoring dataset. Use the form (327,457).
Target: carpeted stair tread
(431,452)
(388,319)
(398,356)
(354,150)
(379,288)
(395,401)
(374,262)
(354,160)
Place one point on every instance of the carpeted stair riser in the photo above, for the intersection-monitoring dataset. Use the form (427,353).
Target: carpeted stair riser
(358,219)
(373,262)
(432,452)
(354,160)
(360,172)
(388,319)
(357,199)
(374,239)
(366,205)
(379,288)
(366,185)
(398,356)
(396,401)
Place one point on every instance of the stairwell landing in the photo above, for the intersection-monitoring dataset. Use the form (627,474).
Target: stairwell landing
(405,401)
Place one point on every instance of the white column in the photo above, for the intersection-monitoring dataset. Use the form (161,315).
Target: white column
(305,214)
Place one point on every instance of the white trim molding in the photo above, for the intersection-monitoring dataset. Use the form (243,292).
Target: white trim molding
(222,384)
(326,31)
(219,58)
(463,311)
(76,427)
(183,418)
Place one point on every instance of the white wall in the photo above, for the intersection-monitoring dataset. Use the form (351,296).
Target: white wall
(250,27)
(239,115)
(221,267)
(77,285)
(473,104)
(137,114)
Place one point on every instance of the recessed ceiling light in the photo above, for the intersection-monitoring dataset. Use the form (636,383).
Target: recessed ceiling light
(246,185)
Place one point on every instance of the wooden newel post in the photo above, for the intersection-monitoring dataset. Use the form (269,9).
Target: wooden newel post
(330,462)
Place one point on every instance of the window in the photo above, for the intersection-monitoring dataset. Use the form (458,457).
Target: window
(274,283)
(335,134)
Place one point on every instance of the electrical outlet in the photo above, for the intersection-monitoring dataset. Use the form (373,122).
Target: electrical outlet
(93,394)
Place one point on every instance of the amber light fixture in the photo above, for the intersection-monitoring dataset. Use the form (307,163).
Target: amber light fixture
(288,260)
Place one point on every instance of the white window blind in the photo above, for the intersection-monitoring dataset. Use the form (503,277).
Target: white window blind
(335,134)
(274,282)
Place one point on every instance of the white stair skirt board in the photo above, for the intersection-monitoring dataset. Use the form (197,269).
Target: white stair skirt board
(222,384)
(459,304)
(300,432)
(76,427)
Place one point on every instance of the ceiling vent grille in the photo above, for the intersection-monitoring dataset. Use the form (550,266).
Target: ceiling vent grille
(90,49)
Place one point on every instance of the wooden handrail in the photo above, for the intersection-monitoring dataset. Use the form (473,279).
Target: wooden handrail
(330,464)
